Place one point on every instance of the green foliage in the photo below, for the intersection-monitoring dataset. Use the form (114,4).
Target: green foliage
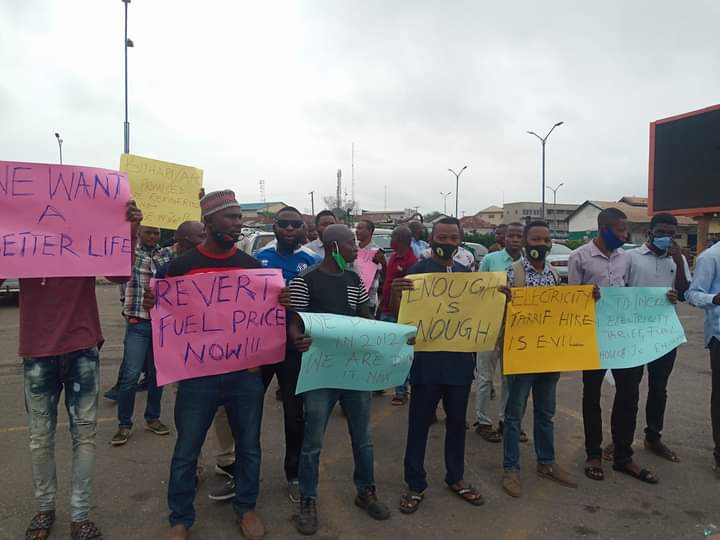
(574,244)
(486,240)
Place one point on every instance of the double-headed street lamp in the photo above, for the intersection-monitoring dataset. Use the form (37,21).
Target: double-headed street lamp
(543,140)
(457,186)
(128,43)
(60,141)
(445,196)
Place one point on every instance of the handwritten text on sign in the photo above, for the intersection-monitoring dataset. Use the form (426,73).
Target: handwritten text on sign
(62,220)
(166,192)
(217,322)
(354,354)
(460,312)
(550,329)
(636,325)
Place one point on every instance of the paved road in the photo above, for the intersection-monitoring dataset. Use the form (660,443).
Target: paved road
(131,481)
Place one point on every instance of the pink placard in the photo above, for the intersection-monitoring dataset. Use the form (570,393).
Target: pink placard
(366,267)
(63,220)
(217,322)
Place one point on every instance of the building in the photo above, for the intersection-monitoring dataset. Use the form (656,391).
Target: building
(473,224)
(491,214)
(251,210)
(582,223)
(555,214)
(386,217)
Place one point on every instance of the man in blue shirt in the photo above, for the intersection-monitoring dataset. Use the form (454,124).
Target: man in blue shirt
(288,255)
(418,244)
(704,293)
(436,376)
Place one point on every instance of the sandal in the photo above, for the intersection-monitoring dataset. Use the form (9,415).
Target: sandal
(523,436)
(84,530)
(660,449)
(468,494)
(40,526)
(643,474)
(399,399)
(608,452)
(410,502)
(488,433)
(594,473)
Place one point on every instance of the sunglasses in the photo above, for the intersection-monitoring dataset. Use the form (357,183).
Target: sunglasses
(294,223)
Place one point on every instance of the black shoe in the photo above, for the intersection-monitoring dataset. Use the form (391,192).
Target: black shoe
(306,522)
(142,384)
(369,502)
(278,395)
(225,470)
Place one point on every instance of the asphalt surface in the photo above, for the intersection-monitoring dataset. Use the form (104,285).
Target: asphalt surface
(131,481)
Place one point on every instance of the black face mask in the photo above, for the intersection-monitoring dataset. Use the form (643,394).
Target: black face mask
(224,240)
(537,253)
(444,251)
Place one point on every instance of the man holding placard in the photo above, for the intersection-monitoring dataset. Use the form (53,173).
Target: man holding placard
(329,288)
(603,263)
(437,376)
(659,263)
(532,271)
(373,258)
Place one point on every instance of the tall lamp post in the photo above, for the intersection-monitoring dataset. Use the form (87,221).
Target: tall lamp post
(543,140)
(60,141)
(445,196)
(128,43)
(555,190)
(457,186)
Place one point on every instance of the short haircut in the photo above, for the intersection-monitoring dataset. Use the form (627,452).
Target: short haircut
(370,224)
(287,209)
(610,216)
(663,218)
(324,213)
(447,221)
(515,224)
(533,224)
(504,225)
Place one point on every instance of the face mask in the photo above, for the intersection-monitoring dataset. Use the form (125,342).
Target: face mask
(663,243)
(444,251)
(537,253)
(611,240)
(339,259)
(224,240)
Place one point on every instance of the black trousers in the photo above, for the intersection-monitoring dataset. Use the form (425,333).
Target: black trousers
(715,397)
(658,374)
(623,420)
(287,373)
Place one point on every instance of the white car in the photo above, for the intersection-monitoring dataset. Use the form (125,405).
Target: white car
(252,243)
(558,259)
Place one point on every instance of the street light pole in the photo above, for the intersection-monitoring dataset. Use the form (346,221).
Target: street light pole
(555,190)
(128,43)
(543,140)
(457,186)
(312,202)
(445,196)
(60,141)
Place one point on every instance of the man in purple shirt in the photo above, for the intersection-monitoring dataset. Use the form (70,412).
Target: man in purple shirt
(603,262)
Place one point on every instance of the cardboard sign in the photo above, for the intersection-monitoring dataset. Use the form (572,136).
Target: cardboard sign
(217,322)
(550,329)
(636,325)
(167,193)
(63,220)
(459,312)
(366,267)
(354,353)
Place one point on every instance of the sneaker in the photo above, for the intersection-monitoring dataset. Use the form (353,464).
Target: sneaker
(178,532)
(306,522)
(294,491)
(251,526)
(121,437)
(369,502)
(84,530)
(556,473)
(112,394)
(225,470)
(223,493)
(157,427)
(511,483)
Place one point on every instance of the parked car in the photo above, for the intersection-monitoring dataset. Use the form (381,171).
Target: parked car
(252,243)
(10,288)
(558,259)
(478,250)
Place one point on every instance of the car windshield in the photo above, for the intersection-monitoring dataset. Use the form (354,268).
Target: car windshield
(382,240)
(263,240)
(559,249)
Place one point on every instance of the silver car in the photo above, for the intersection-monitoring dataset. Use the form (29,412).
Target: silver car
(558,259)
(10,288)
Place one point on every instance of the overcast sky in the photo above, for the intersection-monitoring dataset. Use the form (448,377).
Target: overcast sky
(280,90)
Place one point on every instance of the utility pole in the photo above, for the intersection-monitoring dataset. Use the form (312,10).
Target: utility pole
(338,194)
(60,141)
(445,196)
(457,187)
(385,208)
(128,43)
(312,202)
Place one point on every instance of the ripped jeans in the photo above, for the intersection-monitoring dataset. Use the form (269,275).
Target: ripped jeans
(79,373)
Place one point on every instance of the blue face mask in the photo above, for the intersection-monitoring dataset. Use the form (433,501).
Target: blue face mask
(611,240)
(663,243)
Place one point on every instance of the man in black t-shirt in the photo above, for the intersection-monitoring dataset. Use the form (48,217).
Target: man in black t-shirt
(328,288)
(436,376)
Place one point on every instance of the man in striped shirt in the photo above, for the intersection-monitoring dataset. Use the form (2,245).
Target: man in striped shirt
(328,288)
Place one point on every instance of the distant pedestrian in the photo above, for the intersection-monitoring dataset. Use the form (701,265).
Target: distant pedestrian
(323,220)
(419,245)
(499,244)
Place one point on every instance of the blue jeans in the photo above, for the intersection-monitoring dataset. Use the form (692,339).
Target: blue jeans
(401,390)
(423,403)
(319,405)
(78,372)
(241,393)
(543,387)
(137,355)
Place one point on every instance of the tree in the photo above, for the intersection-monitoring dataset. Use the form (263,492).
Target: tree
(432,215)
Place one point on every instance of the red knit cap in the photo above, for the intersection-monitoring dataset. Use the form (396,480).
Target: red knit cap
(218,200)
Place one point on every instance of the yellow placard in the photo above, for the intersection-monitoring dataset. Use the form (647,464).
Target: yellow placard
(458,312)
(166,193)
(550,329)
